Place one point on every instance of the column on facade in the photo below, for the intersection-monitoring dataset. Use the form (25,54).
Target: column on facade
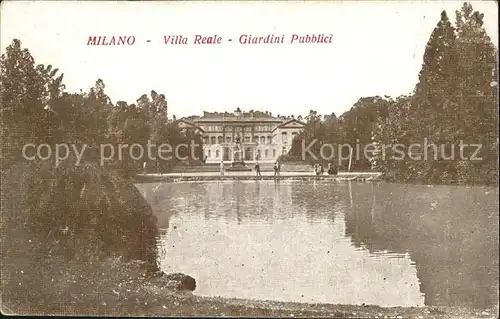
(242,140)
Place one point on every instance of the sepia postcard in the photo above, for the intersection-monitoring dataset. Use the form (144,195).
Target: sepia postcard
(308,159)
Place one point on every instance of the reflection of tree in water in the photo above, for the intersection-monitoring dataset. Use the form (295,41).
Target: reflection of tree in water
(168,199)
(234,200)
(359,214)
(450,232)
(262,200)
(319,200)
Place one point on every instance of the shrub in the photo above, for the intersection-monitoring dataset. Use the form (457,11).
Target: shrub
(68,214)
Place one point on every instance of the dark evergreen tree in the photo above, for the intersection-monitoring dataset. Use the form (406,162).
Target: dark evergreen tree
(26,92)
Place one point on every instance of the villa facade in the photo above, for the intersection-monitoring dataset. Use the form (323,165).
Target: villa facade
(262,137)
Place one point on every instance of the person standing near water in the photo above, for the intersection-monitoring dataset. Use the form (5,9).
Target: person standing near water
(276,173)
(318,169)
(222,167)
(335,169)
(332,169)
(257,169)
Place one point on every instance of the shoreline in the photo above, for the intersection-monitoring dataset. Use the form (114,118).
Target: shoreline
(127,290)
(342,177)
(253,307)
(113,287)
(215,176)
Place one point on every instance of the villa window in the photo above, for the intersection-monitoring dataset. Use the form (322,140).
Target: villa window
(262,140)
(247,139)
(217,153)
(220,140)
(284,137)
(266,153)
(209,154)
(212,140)
(269,140)
(274,153)
(228,139)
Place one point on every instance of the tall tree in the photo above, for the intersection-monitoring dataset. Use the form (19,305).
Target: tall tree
(477,95)
(454,101)
(26,92)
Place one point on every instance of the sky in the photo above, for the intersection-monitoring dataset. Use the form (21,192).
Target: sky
(376,49)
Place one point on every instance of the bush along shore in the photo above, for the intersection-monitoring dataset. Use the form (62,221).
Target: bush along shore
(82,240)
(57,220)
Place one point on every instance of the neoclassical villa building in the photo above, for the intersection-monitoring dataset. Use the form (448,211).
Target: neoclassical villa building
(262,137)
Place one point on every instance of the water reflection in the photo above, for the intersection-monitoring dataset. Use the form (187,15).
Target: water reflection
(385,244)
(450,232)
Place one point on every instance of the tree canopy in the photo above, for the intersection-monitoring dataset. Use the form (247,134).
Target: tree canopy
(455,101)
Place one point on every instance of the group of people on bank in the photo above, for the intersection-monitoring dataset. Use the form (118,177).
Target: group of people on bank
(320,170)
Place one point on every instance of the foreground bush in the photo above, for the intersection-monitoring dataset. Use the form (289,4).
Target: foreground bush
(67,215)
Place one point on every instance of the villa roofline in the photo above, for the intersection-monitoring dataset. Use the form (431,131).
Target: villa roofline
(288,122)
(237,119)
(293,120)
(239,115)
(191,124)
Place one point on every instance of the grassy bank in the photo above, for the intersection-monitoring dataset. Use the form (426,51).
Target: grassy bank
(116,288)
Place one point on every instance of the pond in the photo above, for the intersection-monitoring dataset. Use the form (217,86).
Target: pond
(332,242)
